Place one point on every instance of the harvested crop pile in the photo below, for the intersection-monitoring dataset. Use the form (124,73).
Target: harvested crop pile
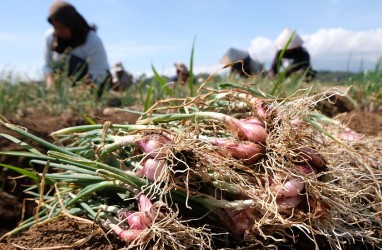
(228,168)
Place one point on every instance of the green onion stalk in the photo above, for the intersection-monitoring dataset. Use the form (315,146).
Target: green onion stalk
(251,129)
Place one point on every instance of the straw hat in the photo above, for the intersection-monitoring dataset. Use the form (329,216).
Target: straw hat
(283,38)
(233,55)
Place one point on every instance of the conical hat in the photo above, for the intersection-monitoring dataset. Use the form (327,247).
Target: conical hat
(233,55)
(283,38)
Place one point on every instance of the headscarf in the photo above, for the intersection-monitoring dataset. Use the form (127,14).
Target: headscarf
(67,15)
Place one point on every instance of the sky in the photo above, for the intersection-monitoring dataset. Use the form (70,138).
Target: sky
(338,34)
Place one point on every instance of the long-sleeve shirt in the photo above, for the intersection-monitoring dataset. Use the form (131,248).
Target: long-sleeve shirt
(92,51)
(298,58)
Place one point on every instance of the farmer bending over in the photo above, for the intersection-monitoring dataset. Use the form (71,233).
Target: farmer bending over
(122,79)
(73,47)
(295,58)
(182,73)
(248,67)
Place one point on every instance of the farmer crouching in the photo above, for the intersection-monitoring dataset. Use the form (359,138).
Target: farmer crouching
(74,48)
(248,67)
(122,79)
(182,73)
(291,56)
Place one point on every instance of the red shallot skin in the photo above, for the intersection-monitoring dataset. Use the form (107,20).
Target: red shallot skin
(349,135)
(306,169)
(140,219)
(136,221)
(311,157)
(286,203)
(246,151)
(259,106)
(286,188)
(127,235)
(250,129)
(145,204)
(291,188)
(238,222)
(253,121)
(262,109)
(152,169)
(153,145)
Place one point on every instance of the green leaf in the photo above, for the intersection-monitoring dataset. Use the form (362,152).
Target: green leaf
(149,95)
(37,139)
(22,171)
(26,154)
(89,120)
(22,144)
(161,81)
(191,76)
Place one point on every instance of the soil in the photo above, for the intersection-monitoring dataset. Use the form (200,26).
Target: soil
(66,231)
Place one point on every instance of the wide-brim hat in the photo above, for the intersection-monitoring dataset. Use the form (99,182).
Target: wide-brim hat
(284,37)
(233,55)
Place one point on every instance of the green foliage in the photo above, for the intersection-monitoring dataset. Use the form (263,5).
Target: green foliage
(191,76)
(367,88)
(18,97)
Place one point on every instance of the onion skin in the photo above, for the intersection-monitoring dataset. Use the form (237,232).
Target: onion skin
(250,129)
(311,157)
(289,188)
(246,151)
(152,169)
(238,222)
(153,145)
(349,135)
(307,169)
(289,202)
(292,188)
(136,221)
(145,204)
(261,108)
(258,104)
(126,235)
(141,219)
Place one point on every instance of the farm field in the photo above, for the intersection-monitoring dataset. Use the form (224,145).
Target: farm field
(357,110)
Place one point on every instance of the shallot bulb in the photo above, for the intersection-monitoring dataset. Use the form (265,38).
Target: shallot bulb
(127,235)
(152,169)
(238,222)
(250,129)
(291,188)
(285,203)
(307,169)
(141,219)
(153,145)
(311,157)
(349,135)
(145,205)
(246,151)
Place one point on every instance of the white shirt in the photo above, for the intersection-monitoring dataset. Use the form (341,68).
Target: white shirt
(92,51)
